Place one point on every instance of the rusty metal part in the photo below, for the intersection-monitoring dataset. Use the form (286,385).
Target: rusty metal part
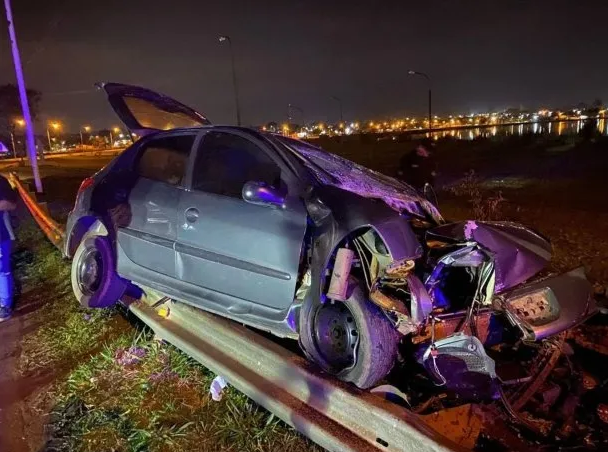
(404,323)
(387,302)
(399,270)
(448,325)
(524,394)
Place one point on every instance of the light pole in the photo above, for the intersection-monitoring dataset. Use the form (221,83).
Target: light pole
(293,107)
(337,99)
(116,130)
(20,123)
(86,129)
(226,38)
(27,117)
(428,79)
(56,126)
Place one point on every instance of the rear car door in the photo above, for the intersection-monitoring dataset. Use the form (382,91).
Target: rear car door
(148,239)
(230,246)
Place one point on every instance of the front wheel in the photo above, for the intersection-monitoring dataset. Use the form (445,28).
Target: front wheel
(94,279)
(353,339)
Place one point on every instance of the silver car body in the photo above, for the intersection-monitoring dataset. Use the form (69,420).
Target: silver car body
(243,260)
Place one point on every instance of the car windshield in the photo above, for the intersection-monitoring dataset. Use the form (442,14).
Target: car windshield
(330,169)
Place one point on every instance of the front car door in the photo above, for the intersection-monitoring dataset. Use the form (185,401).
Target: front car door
(239,254)
(147,240)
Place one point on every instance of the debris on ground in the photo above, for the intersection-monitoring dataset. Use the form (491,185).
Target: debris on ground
(130,356)
(592,337)
(461,424)
(217,388)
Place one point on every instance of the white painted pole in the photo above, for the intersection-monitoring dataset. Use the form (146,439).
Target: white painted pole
(29,126)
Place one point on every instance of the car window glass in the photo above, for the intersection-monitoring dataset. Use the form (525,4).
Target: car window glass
(165,159)
(225,162)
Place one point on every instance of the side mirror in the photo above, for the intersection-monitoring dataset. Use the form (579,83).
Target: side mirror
(262,194)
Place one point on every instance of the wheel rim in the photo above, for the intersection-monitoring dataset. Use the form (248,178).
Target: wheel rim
(336,334)
(90,269)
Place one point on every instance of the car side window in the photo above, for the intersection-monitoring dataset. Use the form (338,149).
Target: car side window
(165,159)
(225,162)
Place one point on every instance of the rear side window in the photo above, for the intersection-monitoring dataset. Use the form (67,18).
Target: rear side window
(225,162)
(165,159)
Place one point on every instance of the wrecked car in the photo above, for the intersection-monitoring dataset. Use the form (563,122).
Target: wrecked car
(282,236)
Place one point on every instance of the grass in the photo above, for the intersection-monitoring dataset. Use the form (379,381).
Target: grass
(66,331)
(139,394)
(115,387)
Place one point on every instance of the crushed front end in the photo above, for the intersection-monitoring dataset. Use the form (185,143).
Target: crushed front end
(473,289)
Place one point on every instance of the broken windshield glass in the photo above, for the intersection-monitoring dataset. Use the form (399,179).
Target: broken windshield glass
(331,169)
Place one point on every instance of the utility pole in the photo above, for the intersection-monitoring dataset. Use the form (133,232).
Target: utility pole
(428,79)
(27,117)
(235,85)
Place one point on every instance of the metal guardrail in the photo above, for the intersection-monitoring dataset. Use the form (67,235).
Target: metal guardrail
(333,414)
(54,232)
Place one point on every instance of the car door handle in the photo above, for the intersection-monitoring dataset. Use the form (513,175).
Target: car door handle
(191,215)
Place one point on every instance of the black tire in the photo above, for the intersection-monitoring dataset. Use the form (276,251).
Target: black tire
(377,347)
(100,289)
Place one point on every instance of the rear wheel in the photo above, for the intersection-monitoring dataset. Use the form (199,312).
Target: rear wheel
(353,339)
(94,279)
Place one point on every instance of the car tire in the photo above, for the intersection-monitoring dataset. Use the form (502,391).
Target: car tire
(375,351)
(94,279)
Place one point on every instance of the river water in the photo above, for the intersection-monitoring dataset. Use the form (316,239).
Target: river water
(552,128)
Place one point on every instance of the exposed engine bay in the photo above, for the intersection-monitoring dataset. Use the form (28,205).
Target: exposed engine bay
(471,295)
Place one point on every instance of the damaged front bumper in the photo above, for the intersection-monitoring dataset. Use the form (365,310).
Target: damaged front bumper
(548,307)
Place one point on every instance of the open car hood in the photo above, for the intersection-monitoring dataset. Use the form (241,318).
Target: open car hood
(339,172)
(144,111)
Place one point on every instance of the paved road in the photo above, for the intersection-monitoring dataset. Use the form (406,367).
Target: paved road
(71,165)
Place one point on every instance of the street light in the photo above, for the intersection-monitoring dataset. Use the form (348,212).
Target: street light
(337,99)
(55,126)
(86,129)
(20,123)
(227,39)
(428,79)
(116,130)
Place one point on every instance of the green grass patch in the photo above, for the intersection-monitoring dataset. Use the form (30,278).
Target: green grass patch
(139,394)
(117,389)
(65,332)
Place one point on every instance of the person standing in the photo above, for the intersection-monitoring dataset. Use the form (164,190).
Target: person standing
(8,202)
(418,168)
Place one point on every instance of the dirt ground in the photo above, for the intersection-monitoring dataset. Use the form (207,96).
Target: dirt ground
(557,187)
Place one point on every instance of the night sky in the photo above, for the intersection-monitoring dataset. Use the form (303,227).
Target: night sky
(480,54)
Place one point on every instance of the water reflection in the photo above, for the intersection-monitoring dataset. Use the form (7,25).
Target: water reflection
(554,128)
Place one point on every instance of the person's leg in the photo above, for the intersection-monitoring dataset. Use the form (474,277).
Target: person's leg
(6,276)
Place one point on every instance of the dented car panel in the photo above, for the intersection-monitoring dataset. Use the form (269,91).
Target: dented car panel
(350,212)
(551,306)
(518,252)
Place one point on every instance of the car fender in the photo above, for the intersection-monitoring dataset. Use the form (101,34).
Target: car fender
(351,212)
(78,226)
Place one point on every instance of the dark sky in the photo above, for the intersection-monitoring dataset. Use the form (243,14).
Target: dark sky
(480,54)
